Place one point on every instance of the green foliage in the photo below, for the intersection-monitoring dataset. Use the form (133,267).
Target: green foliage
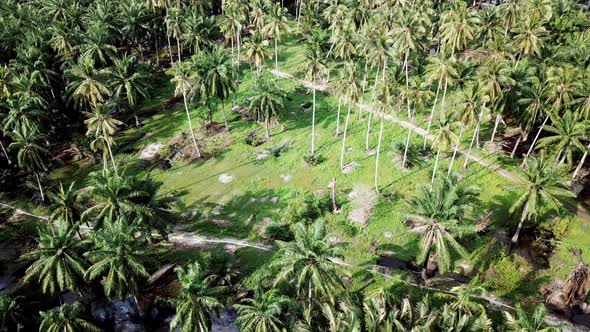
(306,207)
(67,318)
(278,231)
(313,159)
(253,138)
(506,273)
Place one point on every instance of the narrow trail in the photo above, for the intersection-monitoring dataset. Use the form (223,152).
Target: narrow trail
(192,240)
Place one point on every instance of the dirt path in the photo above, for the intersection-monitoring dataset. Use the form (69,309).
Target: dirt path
(192,240)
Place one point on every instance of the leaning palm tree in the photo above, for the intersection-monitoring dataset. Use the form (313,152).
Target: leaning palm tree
(58,265)
(267,100)
(198,297)
(542,189)
(523,322)
(306,263)
(183,80)
(276,24)
(385,92)
(262,313)
(444,139)
(118,259)
(30,152)
(351,95)
(101,124)
(69,317)
(567,132)
(315,68)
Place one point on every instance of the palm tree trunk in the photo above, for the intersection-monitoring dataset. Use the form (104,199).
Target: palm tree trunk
(266,130)
(40,187)
(431,116)
(112,158)
(442,107)
(516,146)
(344,137)
(581,162)
(408,142)
(364,83)
(238,46)
(534,141)
(190,124)
(434,170)
(378,153)
(209,111)
(170,50)
(313,120)
(5,153)
(178,50)
(335,208)
(407,82)
(498,118)
(276,58)
(473,138)
(456,149)
(157,50)
(522,219)
(338,116)
(369,120)
(104,163)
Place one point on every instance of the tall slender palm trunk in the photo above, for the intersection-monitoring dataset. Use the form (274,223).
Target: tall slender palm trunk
(475,134)
(434,170)
(170,50)
(276,58)
(40,187)
(581,162)
(190,124)
(520,223)
(344,136)
(179,50)
(516,146)
(313,120)
(378,153)
(238,42)
(112,158)
(224,115)
(368,134)
(456,149)
(5,153)
(431,116)
(498,119)
(534,141)
(370,118)
(363,86)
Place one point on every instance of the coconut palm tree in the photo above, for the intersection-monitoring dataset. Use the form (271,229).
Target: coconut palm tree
(30,153)
(267,100)
(96,46)
(315,68)
(542,189)
(230,25)
(69,317)
(88,86)
(262,313)
(11,315)
(198,297)
(219,78)
(100,124)
(65,205)
(458,27)
(386,90)
(305,262)
(443,70)
(523,322)
(493,76)
(174,23)
(118,258)
(276,24)
(437,244)
(255,50)
(528,39)
(196,31)
(128,80)
(567,132)
(58,265)
(535,106)
(444,139)
(562,83)
(468,110)
(135,23)
(352,95)
(184,85)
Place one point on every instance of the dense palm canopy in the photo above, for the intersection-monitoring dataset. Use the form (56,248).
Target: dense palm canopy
(67,318)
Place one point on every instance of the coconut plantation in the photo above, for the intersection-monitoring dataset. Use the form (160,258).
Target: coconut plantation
(298,165)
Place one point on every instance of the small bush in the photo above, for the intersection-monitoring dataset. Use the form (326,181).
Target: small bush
(277,150)
(415,154)
(278,231)
(506,274)
(313,159)
(307,207)
(254,138)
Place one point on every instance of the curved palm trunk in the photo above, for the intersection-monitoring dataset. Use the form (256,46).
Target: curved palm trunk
(516,146)
(456,149)
(190,124)
(434,170)
(534,141)
(581,162)
(5,153)
(344,137)
(378,153)
(475,133)
(431,116)
(313,120)
(498,119)
(338,116)
(112,158)
(520,223)
(40,187)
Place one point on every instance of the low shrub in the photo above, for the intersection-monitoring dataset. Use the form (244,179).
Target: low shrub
(313,159)
(254,138)
(506,273)
(278,231)
(307,207)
